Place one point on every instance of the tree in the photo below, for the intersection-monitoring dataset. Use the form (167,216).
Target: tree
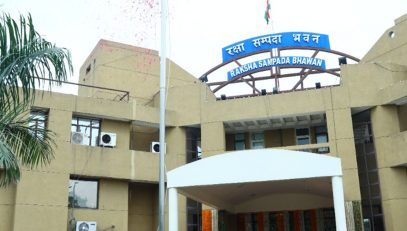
(27,62)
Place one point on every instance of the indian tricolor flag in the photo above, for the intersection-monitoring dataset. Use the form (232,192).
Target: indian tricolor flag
(267,13)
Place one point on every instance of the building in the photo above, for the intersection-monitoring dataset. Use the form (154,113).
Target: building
(105,169)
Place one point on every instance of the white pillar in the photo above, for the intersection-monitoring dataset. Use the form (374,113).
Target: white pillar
(339,203)
(173,209)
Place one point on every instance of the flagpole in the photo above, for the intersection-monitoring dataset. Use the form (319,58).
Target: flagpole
(163,57)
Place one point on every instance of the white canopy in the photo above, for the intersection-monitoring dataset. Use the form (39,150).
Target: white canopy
(254,166)
(260,180)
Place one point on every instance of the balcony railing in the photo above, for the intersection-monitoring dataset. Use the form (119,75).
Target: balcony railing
(322,148)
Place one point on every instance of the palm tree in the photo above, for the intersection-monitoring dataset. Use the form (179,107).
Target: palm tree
(27,62)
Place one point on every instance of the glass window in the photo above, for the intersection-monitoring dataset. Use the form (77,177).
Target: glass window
(302,136)
(199,149)
(193,144)
(329,219)
(321,134)
(38,121)
(366,224)
(88,129)
(240,141)
(257,140)
(194,215)
(83,194)
(368,174)
(302,140)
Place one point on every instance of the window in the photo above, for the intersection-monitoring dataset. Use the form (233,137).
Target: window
(194,215)
(321,135)
(88,69)
(89,129)
(369,181)
(199,149)
(194,153)
(302,135)
(83,194)
(38,121)
(193,144)
(239,141)
(329,219)
(257,141)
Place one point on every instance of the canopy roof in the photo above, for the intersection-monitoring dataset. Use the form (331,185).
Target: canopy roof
(259,180)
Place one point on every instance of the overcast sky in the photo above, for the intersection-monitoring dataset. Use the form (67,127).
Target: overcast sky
(199,29)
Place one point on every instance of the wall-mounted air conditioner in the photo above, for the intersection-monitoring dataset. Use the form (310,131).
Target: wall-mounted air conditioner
(85,226)
(77,137)
(155,147)
(107,139)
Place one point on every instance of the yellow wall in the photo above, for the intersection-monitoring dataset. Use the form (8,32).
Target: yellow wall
(141,206)
(112,209)
(392,179)
(7,203)
(141,141)
(41,199)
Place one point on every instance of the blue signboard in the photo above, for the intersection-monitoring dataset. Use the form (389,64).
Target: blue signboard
(279,40)
(266,64)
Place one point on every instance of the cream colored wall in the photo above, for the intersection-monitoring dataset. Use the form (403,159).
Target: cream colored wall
(41,201)
(121,129)
(341,139)
(42,196)
(42,193)
(213,138)
(141,206)
(113,110)
(393,185)
(127,60)
(176,147)
(388,49)
(141,141)
(112,206)
(361,84)
(128,68)
(7,203)
(396,145)
(295,103)
(186,101)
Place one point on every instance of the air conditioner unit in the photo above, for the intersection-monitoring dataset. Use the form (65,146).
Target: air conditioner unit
(77,137)
(107,139)
(155,147)
(85,226)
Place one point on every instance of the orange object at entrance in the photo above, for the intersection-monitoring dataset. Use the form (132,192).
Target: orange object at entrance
(206,220)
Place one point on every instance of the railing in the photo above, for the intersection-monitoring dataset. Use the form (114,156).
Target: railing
(123,95)
(322,148)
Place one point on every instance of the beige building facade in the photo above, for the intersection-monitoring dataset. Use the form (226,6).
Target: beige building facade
(114,183)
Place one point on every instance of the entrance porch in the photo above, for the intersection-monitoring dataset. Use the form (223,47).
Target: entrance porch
(263,181)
